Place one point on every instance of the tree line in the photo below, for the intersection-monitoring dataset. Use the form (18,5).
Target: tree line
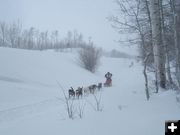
(13,35)
(155,27)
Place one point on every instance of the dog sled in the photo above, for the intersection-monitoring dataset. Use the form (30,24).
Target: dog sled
(108,83)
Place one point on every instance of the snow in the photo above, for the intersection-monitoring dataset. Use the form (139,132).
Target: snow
(30,105)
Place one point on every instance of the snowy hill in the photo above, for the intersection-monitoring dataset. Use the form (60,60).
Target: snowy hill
(30,105)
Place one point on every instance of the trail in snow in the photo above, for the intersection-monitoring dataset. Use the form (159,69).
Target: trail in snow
(29,109)
(10,79)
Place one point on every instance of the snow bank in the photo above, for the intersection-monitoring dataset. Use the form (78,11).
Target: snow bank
(30,105)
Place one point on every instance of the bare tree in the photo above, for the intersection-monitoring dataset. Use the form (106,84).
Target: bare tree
(158,48)
(14,32)
(30,40)
(70,108)
(89,57)
(81,107)
(3,31)
(164,44)
(146,77)
(175,5)
(97,105)
(54,38)
(135,17)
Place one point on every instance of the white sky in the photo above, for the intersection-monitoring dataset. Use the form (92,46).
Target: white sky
(85,16)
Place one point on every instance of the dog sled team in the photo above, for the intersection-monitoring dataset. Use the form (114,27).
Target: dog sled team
(80,91)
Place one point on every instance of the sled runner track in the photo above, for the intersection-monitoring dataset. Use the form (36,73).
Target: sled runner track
(20,111)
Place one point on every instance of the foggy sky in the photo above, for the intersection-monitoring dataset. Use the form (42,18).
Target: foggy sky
(86,16)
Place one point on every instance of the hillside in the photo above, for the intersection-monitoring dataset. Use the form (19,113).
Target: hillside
(30,98)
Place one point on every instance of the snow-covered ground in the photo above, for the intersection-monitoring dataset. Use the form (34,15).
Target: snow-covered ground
(30,105)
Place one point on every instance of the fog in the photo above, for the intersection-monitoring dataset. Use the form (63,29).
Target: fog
(86,16)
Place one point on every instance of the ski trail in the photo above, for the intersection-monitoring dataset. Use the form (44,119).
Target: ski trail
(21,111)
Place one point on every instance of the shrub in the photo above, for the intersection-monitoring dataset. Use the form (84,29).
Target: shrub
(89,57)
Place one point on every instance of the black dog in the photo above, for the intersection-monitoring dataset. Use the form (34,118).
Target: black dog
(79,92)
(99,86)
(92,88)
(71,93)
